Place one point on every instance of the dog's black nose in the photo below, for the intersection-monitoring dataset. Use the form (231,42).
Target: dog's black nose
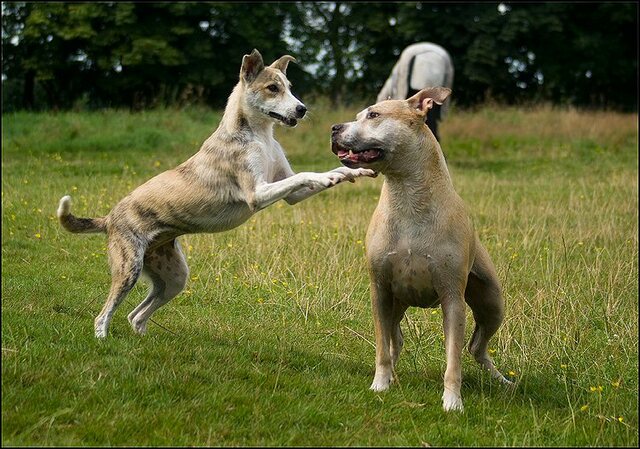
(301,110)
(336,128)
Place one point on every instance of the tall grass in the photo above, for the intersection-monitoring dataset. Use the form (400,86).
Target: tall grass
(272,341)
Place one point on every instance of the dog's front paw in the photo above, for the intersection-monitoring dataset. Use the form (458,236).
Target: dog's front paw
(365,172)
(380,383)
(375,386)
(318,181)
(352,173)
(452,402)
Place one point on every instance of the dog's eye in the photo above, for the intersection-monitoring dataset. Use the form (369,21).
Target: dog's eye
(372,114)
(273,88)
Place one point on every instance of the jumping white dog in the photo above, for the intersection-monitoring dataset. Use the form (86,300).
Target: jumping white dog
(239,170)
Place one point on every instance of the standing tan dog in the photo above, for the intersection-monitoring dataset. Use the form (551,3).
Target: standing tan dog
(239,170)
(422,249)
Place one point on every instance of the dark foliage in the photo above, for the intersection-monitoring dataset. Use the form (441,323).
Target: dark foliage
(137,55)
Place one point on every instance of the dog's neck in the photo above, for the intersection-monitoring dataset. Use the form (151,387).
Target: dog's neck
(240,117)
(415,188)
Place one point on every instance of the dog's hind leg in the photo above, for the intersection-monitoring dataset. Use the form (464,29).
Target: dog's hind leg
(484,297)
(126,253)
(167,269)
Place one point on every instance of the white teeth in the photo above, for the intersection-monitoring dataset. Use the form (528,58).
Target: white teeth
(350,152)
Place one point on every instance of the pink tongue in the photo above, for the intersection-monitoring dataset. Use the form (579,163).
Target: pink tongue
(342,153)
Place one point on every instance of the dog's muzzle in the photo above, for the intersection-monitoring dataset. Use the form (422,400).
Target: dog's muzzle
(352,155)
(301,110)
(289,121)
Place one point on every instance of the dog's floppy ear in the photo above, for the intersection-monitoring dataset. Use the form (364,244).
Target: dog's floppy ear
(423,100)
(252,65)
(282,63)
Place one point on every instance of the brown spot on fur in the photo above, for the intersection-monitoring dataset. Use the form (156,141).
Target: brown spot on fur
(185,171)
(243,130)
(145,213)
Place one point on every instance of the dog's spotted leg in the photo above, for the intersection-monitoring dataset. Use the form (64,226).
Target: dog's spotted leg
(125,258)
(166,268)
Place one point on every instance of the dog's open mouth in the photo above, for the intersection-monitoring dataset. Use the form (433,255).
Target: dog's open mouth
(349,155)
(285,120)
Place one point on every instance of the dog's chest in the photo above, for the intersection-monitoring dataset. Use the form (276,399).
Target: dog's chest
(411,281)
(269,159)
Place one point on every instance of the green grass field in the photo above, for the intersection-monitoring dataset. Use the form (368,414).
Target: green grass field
(271,343)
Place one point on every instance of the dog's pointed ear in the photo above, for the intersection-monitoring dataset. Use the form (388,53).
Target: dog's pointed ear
(252,65)
(423,100)
(282,63)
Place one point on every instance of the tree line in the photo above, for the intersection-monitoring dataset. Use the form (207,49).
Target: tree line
(138,55)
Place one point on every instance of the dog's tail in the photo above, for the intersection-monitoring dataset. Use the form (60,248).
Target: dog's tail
(78,225)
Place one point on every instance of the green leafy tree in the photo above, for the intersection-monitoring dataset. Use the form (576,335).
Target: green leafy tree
(139,55)
(44,43)
(323,37)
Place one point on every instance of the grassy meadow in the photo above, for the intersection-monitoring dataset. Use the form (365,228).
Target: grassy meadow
(271,343)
